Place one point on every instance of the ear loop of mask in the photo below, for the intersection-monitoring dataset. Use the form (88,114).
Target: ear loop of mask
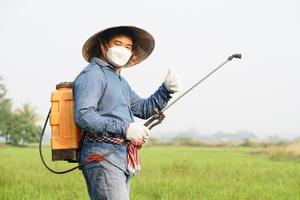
(103,43)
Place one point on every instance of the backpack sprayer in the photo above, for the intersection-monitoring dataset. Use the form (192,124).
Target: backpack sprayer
(66,136)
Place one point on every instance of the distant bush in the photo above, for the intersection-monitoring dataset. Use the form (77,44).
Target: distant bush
(152,141)
(249,143)
(284,150)
(187,141)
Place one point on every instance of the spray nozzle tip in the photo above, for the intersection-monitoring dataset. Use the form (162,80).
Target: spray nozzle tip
(237,55)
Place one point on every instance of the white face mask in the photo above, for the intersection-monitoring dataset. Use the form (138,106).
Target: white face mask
(118,56)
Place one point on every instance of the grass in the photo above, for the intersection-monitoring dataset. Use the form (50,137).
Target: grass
(167,173)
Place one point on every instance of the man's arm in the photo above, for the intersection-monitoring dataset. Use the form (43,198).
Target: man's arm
(88,89)
(145,108)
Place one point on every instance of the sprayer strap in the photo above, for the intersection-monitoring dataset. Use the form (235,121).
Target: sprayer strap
(94,138)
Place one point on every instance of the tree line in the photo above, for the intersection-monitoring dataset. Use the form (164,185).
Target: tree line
(18,126)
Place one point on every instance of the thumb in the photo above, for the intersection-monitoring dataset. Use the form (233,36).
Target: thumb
(170,72)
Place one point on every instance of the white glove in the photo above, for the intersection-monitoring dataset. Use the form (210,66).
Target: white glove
(137,132)
(172,81)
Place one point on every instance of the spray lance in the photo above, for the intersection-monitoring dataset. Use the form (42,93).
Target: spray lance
(159,116)
(156,119)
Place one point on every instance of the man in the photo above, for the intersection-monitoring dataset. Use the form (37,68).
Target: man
(105,106)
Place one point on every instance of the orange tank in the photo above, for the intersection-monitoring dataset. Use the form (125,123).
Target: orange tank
(65,135)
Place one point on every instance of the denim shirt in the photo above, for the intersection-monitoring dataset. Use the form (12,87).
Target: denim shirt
(105,105)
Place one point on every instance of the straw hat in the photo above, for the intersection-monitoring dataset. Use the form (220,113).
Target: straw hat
(143,43)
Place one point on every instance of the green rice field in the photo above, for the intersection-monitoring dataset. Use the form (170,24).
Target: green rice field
(175,173)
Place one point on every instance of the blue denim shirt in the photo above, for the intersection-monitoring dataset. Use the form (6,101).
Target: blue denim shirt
(105,105)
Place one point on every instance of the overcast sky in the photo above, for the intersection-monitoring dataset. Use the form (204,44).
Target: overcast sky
(41,41)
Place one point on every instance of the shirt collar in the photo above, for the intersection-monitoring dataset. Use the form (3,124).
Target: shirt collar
(102,63)
(98,61)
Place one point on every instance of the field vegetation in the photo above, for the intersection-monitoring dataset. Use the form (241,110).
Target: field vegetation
(168,172)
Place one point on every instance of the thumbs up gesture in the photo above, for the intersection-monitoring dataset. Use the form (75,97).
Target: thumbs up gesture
(172,81)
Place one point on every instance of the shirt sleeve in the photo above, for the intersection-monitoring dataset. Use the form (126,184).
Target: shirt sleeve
(145,108)
(88,89)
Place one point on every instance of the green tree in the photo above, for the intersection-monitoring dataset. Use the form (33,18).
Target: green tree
(23,130)
(19,126)
(5,118)
(29,113)
(5,112)
(29,131)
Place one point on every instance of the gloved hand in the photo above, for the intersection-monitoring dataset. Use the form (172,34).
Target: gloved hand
(138,143)
(172,81)
(137,132)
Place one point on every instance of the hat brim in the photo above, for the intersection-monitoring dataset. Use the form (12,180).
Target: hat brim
(143,44)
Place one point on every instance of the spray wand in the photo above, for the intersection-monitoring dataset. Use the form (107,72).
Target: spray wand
(159,116)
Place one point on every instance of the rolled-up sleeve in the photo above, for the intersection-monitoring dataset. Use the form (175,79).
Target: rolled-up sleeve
(88,89)
(145,108)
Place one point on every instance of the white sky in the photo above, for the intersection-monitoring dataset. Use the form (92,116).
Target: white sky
(40,46)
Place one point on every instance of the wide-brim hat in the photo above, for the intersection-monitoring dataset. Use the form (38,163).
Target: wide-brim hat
(142,47)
